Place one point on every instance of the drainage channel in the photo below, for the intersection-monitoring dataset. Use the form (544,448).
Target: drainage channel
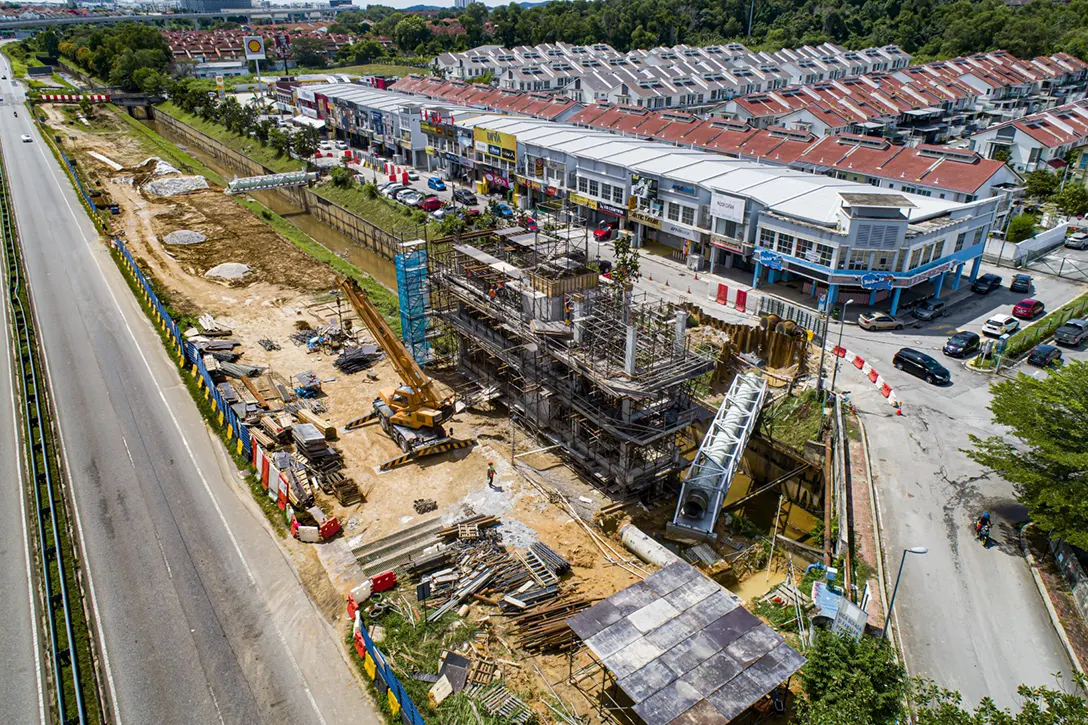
(75,698)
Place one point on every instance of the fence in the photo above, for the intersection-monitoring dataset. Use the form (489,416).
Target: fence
(351,225)
(805,318)
(188,355)
(385,682)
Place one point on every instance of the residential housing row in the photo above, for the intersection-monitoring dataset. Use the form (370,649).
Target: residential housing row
(222,45)
(836,235)
(681,76)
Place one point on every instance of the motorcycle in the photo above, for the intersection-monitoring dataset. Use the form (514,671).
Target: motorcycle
(982,531)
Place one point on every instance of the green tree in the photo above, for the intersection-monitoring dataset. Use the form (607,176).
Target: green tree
(150,80)
(1047,463)
(86,107)
(342,178)
(1073,199)
(309,52)
(1041,184)
(1040,706)
(49,42)
(305,143)
(853,682)
(410,32)
(626,266)
(366,51)
(1021,227)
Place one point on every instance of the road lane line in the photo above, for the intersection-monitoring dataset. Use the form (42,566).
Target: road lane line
(91,244)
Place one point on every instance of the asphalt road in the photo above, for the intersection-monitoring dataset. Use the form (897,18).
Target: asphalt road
(203,617)
(971,618)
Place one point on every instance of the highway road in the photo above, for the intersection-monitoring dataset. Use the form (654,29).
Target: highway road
(972,618)
(203,617)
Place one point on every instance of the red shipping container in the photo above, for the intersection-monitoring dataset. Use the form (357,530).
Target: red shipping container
(383,581)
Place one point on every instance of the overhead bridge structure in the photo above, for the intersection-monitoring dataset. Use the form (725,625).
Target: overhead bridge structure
(707,482)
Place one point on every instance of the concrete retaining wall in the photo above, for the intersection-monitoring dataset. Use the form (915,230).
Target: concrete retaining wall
(1073,572)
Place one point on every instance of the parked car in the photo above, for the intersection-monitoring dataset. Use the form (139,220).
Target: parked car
(342,145)
(604,231)
(26,138)
(930,310)
(443,212)
(878,321)
(1044,356)
(325,145)
(391,190)
(962,344)
(411,197)
(1028,309)
(436,183)
(464,196)
(431,203)
(529,224)
(1078,240)
(1072,333)
(413,175)
(999,325)
(921,365)
(986,284)
(1021,283)
(503,211)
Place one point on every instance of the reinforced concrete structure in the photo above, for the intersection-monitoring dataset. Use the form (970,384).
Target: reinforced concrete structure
(604,374)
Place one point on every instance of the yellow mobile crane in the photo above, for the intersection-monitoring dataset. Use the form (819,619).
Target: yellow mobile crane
(411,414)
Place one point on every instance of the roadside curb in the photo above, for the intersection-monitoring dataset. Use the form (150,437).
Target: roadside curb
(1054,620)
(858,362)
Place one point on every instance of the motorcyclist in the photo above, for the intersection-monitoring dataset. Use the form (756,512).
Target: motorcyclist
(982,527)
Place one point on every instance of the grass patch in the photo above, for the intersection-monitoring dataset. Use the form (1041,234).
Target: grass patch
(169,151)
(1033,334)
(371,69)
(20,59)
(794,420)
(243,144)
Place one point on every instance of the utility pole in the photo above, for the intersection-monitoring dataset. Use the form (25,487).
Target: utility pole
(842,326)
(751,14)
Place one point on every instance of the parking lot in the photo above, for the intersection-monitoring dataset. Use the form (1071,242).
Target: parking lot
(1064,262)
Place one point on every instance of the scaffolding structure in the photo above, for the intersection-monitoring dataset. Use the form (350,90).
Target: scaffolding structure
(603,373)
(412,288)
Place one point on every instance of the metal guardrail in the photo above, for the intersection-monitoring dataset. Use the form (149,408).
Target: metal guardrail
(75,691)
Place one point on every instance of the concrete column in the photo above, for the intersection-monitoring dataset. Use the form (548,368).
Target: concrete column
(957,277)
(937,286)
(681,331)
(772,275)
(895,300)
(814,290)
(629,356)
(832,293)
(756,275)
(872,298)
(578,323)
(974,268)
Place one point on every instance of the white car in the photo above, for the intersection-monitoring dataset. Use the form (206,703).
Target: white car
(325,145)
(999,325)
(342,145)
(392,190)
(412,175)
(26,138)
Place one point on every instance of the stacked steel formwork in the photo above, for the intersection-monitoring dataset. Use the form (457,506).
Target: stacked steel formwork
(578,359)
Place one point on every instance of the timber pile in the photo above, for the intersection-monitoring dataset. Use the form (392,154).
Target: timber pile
(544,628)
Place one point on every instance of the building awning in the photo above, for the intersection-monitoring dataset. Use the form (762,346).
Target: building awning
(305,121)
(871,124)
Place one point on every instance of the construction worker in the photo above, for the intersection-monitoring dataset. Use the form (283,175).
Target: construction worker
(500,289)
(491,474)
(491,293)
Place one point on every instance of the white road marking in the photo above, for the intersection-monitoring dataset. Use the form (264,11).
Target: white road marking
(91,244)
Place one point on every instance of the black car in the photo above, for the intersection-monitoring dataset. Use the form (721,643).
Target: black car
(465,196)
(1044,355)
(921,365)
(1021,283)
(986,284)
(961,344)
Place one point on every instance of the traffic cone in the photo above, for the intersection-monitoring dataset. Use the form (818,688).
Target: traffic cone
(689,290)
(696,275)
(666,283)
(651,278)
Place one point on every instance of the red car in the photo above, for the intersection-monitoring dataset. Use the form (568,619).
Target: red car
(604,231)
(1028,309)
(431,203)
(529,224)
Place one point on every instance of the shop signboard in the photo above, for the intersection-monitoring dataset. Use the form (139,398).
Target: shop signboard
(496,144)
(729,245)
(923,276)
(646,220)
(583,201)
(683,232)
(643,187)
(769,259)
(611,209)
(727,207)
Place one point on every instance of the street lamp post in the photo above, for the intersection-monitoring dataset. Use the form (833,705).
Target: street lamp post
(842,326)
(895,590)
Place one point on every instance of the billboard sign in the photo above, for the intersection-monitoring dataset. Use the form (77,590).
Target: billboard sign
(496,144)
(254,45)
(727,207)
(769,259)
(877,281)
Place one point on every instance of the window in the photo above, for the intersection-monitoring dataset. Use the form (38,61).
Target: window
(804,249)
(959,241)
(617,194)
(766,238)
(606,191)
(725,227)
(859,260)
(594,188)
(883,261)
(785,244)
(824,253)
(687,215)
(915,258)
(979,234)
(583,185)
(672,212)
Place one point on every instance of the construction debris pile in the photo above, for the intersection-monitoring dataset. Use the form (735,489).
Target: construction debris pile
(355,359)
(174,185)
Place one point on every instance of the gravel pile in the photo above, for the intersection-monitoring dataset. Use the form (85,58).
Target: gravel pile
(184,236)
(161,167)
(175,185)
(230,271)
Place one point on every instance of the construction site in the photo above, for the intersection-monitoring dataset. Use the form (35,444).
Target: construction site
(539,439)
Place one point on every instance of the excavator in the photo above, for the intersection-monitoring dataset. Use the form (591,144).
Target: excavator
(411,414)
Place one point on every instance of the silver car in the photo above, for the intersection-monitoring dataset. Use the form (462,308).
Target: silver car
(1078,240)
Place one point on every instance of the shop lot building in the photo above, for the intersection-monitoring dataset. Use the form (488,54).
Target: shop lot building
(834,236)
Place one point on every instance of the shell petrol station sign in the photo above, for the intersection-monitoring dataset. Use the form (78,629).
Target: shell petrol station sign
(254,45)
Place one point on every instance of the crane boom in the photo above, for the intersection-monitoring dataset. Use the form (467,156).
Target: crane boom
(405,365)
